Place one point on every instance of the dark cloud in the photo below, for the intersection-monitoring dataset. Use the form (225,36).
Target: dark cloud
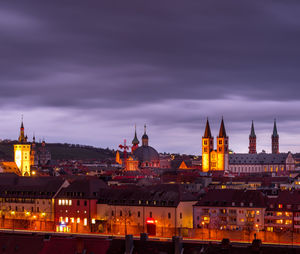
(168,63)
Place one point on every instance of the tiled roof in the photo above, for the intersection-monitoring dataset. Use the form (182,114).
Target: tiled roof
(83,188)
(168,195)
(260,158)
(232,197)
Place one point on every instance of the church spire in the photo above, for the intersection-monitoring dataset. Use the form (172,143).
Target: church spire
(275,139)
(135,140)
(252,140)
(22,137)
(207,133)
(252,133)
(275,133)
(222,132)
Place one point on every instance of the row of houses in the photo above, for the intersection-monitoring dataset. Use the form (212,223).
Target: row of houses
(232,209)
(85,205)
(88,205)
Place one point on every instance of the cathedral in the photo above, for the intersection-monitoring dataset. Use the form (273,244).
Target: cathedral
(143,156)
(252,162)
(215,160)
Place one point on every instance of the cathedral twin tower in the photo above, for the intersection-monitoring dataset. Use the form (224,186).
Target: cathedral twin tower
(218,160)
(215,160)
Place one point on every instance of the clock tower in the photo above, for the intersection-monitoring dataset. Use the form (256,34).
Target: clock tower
(22,153)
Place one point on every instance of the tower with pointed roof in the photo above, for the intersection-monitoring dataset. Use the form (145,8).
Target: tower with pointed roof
(222,148)
(22,153)
(135,141)
(252,140)
(275,139)
(145,139)
(207,148)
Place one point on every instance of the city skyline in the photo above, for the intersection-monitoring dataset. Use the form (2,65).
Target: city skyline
(87,74)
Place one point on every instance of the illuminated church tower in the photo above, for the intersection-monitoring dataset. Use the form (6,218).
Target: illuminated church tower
(22,153)
(222,148)
(207,148)
(252,140)
(215,160)
(275,139)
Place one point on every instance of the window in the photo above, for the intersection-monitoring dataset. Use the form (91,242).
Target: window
(63,202)
(38,209)
(85,203)
(169,215)
(180,215)
(139,214)
(150,215)
(220,142)
(72,220)
(120,213)
(85,221)
(112,213)
(70,202)
(78,220)
(59,202)
(78,202)
(67,219)
(280,206)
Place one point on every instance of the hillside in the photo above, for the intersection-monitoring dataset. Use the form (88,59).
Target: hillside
(64,152)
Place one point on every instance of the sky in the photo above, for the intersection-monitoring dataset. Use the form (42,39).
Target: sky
(85,72)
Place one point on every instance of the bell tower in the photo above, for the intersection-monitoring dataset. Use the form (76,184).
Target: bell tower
(207,148)
(222,148)
(275,139)
(252,140)
(22,153)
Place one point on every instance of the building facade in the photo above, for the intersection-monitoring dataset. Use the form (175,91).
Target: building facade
(215,160)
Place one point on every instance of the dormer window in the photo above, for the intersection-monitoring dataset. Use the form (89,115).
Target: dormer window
(251,204)
(242,204)
(233,203)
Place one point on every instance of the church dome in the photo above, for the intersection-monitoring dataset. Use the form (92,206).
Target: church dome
(146,154)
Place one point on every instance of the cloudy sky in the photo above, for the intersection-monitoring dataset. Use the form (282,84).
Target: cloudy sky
(87,71)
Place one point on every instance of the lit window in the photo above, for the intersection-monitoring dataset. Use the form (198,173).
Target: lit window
(59,202)
(257,212)
(78,220)
(67,202)
(85,221)
(72,220)
(63,202)
(70,202)
(93,221)
(67,219)
(60,219)
(280,206)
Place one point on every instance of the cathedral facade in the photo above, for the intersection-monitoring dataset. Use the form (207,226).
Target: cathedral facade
(215,160)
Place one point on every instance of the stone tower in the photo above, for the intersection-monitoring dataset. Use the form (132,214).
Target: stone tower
(207,148)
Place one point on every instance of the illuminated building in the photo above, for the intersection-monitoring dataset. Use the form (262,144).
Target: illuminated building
(165,206)
(146,155)
(231,210)
(214,160)
(75,205)
(27,202)
(22,153)
(252,140)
